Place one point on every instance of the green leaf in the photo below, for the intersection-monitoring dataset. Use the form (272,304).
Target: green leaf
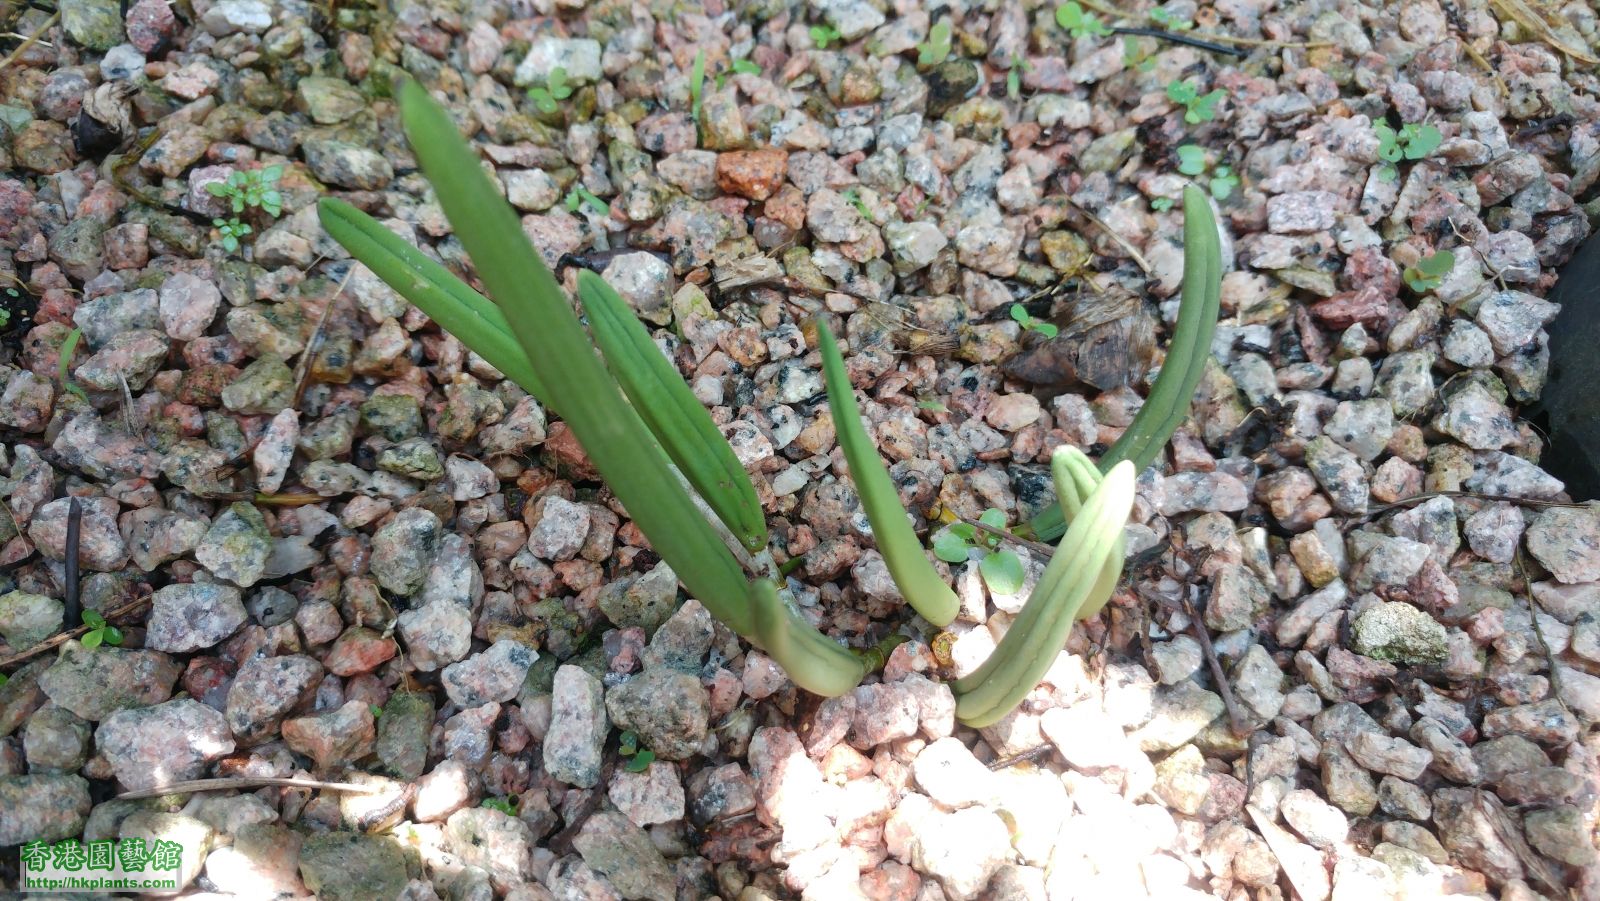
(93,619)
(673,414)
(937,48)
(1223,183)
(92,639)
(219,189)
(1420,140)
(1047,329)
(1182,91)
(557,83)
(641,761)
(113,635)
(823,35)
(966,530)
(628,743)
(543,100)
(616,441)
(1020,314)
(902,551)
(64,361)
(950,547)
(1002,571)
(746,67)
(993,518)
(1191,159)
(697,81)
(447,300)
(1437,264)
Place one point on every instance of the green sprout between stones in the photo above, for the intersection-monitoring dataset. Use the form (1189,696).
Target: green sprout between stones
(1192,162)
(1197,107)
(506,805)
(1000,567)
(1078,23)
(1168,403)
(1134,56)
(1014,77)
(580,196)
(936,49)
(738,67)
(639,759)
(853,197)
(1413,141)
(824,35)
(1162,204)
(1163,17)
(1429,272)
(64,363)
(231,230)
(697,85)
(1022,317)
(253,189)
(531,333)
(100,632)
(555,88)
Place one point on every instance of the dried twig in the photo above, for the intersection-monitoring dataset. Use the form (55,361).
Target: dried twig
(1024,757)
(1038,547)
(1116,238)
(226,783)
(302,378)
(32,39)
(1178,38)
(61,637)
(1538,631)
(1236,718)
(1415,499)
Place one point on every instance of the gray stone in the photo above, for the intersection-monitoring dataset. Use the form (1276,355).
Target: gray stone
(494,675)
(346,866)
(95,24)
(624,853)
(192,616)
(27,619)
(46,808)
(1400,633)
(403,549)
(669,710)
(94,682)
(574,745)
(1567,541)
(153,746)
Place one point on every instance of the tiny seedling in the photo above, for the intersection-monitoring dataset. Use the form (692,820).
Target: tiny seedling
(1161,16)
(255,189)
(1029,324)
(100,631)
(739,67)
(1192,162)
(5,318)
(375,710)
(1161,204)
(697,85)
(639,759)
(506,805)
(854,196)
(933,405)
(1134,55)
(4,679)
(64,363)
(1429,272)
(824,35)
(581,196)
(1014,77)
(1001,568)
(1079,23)
(232,230)
(1413,141)
(1197,107)
(936,49)
(555,88)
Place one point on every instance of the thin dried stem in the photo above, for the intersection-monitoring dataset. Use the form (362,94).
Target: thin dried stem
(228,783)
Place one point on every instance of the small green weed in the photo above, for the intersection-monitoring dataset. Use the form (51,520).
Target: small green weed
(1078,23)
(1001,568)
(1134,55)
(1167,20)
(100,631)
(824,35)
(1197,107)
(1413,141)
(1429,272)
(639,759)
(1014,77)
(936,49)
(232,230)
(1192,162)
(506,805)
(854,196)
(739,67)
(1162,204)
(251,189)
(555,88)
(64,363)
(1020,314)
(697,85)
(581,196)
